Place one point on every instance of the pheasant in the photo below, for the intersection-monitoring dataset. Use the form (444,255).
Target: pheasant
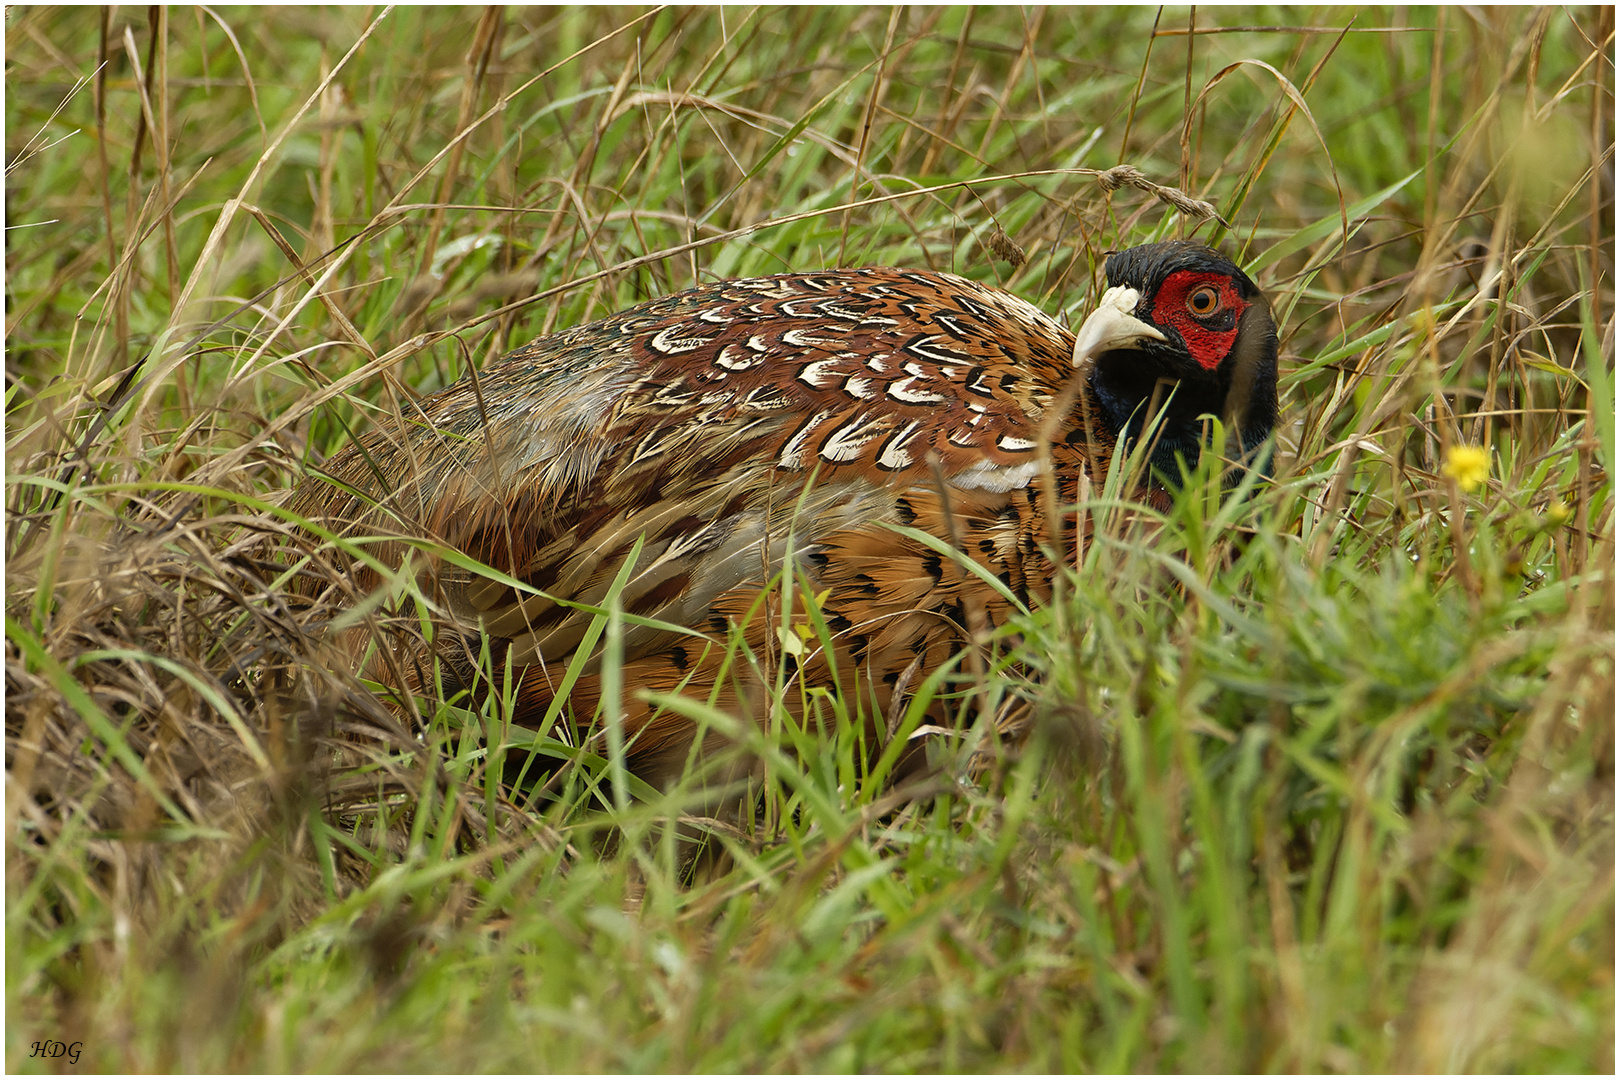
(732,426)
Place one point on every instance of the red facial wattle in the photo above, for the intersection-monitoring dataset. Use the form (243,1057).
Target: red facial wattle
(1204,309)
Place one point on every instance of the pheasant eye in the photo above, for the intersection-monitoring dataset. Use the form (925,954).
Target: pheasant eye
(1204,300)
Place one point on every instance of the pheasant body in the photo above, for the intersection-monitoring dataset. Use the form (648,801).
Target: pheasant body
(734,425)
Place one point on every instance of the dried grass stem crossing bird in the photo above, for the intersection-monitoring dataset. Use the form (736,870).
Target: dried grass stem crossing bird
(731,426)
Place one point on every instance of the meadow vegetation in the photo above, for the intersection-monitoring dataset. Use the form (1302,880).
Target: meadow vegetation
(1319,774)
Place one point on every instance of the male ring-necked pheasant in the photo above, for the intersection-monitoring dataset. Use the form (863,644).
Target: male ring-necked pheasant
(717,424)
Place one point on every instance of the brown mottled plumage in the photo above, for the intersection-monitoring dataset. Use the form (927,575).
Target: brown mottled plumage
(714,424)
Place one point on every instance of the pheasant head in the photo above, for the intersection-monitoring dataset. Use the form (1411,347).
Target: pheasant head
(1182,328)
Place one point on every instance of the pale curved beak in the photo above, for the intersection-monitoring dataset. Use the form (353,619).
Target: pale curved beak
(1112,326)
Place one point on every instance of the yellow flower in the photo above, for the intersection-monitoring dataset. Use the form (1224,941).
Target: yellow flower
(1470,466)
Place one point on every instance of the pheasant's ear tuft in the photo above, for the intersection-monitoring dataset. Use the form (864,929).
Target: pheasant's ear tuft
(1147,266)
